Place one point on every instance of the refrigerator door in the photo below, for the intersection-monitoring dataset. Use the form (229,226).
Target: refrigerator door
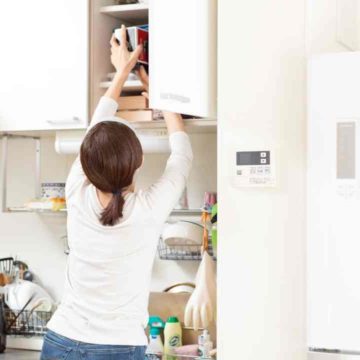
(183,72)
(334,202)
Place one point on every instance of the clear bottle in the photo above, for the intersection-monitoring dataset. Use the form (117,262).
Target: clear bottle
(205,345)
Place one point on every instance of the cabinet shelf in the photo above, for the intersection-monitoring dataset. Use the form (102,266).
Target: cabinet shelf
(130,85)
(185,212)
(132,13)
(36,211)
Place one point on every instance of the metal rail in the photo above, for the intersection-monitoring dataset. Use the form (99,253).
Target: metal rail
(4,165)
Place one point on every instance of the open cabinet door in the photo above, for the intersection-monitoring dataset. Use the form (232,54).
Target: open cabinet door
(183,73)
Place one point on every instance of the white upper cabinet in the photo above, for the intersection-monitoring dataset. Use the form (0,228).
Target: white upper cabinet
(183,56)
(44,64)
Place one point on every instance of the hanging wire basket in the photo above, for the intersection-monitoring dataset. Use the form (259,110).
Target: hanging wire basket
(182,252)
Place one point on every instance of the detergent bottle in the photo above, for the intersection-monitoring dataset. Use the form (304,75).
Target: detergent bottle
(172,335)
(156,326)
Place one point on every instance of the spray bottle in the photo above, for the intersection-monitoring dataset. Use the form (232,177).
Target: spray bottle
(205,345)
(155,343)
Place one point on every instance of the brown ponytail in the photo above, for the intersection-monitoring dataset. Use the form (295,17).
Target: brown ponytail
(114,210)
(110,154)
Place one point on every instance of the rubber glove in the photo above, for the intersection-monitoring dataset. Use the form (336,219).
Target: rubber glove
(200,310)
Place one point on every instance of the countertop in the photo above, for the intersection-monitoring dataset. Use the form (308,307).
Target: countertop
(11,354)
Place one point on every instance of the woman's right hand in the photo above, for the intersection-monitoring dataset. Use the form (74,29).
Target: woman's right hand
(122,59)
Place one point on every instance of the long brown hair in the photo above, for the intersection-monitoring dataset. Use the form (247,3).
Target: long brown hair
(110,154)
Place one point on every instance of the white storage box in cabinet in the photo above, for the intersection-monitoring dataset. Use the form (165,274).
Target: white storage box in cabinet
(44,64)
(183,56)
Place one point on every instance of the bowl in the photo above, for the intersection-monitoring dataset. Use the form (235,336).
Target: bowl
(182,233)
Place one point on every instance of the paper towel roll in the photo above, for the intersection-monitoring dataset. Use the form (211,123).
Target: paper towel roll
(67,142)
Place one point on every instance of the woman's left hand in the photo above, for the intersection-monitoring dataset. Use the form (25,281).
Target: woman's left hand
(144,78)
(122,59)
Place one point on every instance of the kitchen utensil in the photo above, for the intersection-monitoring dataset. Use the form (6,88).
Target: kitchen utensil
(6,265)
(18,294)
(214,229)
(4,279)
(19,268)
(205,218)
(28,275)
(181,288)
(200,310)
(182,233)
(210,199)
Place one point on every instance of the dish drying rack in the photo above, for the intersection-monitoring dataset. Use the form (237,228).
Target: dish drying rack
(26,322)
(187,251)
(22,322)
(182,252)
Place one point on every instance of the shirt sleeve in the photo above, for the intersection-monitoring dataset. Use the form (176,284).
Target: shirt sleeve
(164,194)
(106,108)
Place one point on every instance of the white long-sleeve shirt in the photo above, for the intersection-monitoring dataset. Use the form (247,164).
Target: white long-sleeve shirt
(109,268)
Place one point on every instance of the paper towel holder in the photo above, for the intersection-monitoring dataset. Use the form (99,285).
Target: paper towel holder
(153,141)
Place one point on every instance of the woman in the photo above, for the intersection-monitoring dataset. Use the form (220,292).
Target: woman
(113,231)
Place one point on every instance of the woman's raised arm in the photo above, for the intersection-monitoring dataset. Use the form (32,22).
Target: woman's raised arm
(123,61)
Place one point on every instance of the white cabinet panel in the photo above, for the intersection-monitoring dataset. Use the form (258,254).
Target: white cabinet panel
(183,56)
(43,64)
(334,202)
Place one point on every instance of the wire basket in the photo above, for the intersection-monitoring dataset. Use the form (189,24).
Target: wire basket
(26,323)
(182,252)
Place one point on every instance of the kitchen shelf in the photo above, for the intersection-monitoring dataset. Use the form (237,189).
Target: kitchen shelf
(189,212)
(132,13)
(37,211)
(130,85)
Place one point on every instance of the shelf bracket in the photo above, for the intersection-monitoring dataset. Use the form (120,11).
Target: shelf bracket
(4,166)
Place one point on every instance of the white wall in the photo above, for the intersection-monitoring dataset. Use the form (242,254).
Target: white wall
(261,267)
(35,239)
(322,26)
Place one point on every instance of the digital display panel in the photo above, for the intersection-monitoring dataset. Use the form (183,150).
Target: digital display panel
(244,158)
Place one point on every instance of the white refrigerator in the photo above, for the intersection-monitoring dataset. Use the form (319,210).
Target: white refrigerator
(333,200)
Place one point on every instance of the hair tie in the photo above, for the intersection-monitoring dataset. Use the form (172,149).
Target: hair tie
(116,192)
